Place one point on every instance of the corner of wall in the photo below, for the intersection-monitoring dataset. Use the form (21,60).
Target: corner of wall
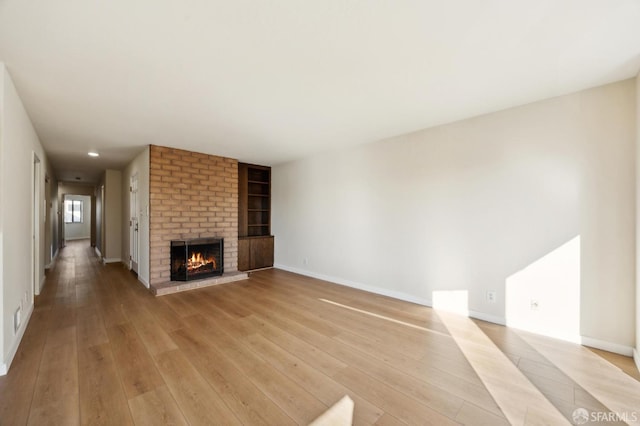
(2,361)
(113,215)
(637,346)
(138,166)
(615,348)
(143,281)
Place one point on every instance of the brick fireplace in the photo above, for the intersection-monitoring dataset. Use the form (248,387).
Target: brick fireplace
(192,195)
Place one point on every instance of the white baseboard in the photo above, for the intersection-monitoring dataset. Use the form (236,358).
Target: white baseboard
(143,281)
(53,259)
(76,238)
(4,367)
(106,260)
(607,346)
(97,250)
(353,284)
(488,317)
(636,358)
(587,341)
(44,278)
(385,292)
(140,278)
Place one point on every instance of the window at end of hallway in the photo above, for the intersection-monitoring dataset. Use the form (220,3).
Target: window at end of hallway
(73,211)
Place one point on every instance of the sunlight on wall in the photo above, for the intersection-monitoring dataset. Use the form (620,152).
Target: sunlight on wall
(456,301)
(544,297)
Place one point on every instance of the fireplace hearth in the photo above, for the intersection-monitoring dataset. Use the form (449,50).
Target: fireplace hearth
(196,259)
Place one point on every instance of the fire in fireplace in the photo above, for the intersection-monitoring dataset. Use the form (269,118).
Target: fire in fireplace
(196,258)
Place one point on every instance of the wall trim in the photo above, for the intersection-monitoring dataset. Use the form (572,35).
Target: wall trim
(77,238)
(384,292)
(106,260)
(4,368)
(582,340)
(143,281)
(607,346)
(97,251)
(488,318)
(42,281)
(53,260)
(353,284)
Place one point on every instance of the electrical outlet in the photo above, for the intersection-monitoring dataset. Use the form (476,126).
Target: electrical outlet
(534,305)
(305,261)
(491,296)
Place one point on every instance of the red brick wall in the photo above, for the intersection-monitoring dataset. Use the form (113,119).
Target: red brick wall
(192,195)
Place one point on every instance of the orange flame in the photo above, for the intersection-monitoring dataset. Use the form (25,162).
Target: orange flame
(197,261)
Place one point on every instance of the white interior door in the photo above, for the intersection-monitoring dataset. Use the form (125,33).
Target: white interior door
(133,223)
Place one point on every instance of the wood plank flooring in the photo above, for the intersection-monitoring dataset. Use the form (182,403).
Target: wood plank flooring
(279,349)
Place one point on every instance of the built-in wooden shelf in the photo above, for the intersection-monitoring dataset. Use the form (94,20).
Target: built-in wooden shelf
(255,242)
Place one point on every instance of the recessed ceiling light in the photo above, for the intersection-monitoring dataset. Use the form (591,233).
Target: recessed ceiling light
(93,154)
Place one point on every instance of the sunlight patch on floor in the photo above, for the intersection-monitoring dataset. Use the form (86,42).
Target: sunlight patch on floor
(618,391)
(372,314)
(520,401)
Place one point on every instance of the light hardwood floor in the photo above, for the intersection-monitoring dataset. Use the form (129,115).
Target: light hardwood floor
(279,349)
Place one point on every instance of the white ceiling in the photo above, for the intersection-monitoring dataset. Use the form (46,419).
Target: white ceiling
(271,81)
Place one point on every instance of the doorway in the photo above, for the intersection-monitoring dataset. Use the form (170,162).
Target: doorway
(77,214)
(133,224)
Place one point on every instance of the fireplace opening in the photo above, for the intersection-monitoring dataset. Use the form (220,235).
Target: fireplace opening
(196,258)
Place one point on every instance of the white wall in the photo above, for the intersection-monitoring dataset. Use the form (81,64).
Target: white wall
(3,364)
(19,142)
(139,166)
(99,222)
(77,231)
(51,219)
(636,353)
(112,216)
(467,205)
